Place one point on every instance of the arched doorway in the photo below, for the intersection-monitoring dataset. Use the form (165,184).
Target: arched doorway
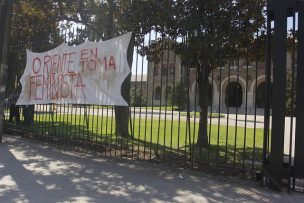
(234,95)
(260,97)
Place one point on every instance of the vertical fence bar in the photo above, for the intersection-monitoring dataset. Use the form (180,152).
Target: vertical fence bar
(106,136)
(257,46)
(299,140)
(209,132)
(79,113)
(220,101)
(146,103)
(228,116)
(194,153)
(172,103)
(97,130)
(162,71)
(292,94)
(246,105)
(236,109)
(92,116)
(152,98)
(166,98)
(102,128)
(188,123)
(111,138)
(267,90)
(275,170)
(139,137)
(134,103)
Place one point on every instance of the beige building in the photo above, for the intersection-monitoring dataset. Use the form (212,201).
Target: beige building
(162,75)
(241,86)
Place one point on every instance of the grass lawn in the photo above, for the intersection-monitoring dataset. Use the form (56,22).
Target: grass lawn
(227,144)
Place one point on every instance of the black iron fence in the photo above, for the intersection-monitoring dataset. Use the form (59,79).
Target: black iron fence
(165,114)
(283,160)
(207,107)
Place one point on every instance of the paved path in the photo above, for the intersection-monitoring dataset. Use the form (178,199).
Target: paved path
(35,172)
(249,121)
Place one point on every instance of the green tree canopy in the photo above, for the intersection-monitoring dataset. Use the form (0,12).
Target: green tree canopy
(214,32)
(34,26)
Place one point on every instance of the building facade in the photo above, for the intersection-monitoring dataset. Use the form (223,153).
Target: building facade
(239,86)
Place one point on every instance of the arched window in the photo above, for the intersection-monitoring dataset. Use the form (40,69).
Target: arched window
(234,95)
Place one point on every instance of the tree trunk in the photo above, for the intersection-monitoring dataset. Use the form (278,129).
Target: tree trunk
(203,83)
(5,23)
(28,113)
(122,113)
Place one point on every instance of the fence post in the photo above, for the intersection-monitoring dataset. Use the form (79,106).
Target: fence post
(299,137)
(275,170)
(5,19)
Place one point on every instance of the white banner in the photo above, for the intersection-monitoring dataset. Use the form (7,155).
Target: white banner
(90,73)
